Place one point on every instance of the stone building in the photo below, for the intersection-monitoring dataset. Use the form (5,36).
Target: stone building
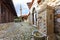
(7,11)
(42,17)
(32,14)
(29,4)
(45,15)
(24,18)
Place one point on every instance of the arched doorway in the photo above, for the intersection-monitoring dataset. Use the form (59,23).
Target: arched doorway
(34,17)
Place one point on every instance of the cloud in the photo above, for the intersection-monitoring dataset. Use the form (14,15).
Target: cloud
(21,1)
(25,9)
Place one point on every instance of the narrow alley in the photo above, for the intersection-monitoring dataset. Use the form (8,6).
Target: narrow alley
(29,19)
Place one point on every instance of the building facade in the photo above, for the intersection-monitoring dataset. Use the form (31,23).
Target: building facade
(29,4)
(7,11)
(24,18)
(46,17)
(42,16)
(56,5)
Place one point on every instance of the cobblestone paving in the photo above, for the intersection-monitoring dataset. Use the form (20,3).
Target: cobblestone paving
(16,31)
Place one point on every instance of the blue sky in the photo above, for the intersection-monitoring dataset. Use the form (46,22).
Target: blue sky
(17,4)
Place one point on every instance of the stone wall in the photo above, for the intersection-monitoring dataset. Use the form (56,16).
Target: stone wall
(57,22)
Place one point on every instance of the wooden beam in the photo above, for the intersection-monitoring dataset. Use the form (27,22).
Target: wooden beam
(57,16)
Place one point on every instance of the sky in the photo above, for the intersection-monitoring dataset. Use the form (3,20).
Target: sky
(25,8)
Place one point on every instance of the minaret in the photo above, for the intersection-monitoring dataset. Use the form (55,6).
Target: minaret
(20,10)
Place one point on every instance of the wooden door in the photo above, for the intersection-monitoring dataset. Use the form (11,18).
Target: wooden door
(50,23)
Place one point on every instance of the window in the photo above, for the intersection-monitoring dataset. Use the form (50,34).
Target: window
(58,11)
(3,14)
(2,9)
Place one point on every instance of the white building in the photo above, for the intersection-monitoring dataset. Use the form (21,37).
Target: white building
(42,16)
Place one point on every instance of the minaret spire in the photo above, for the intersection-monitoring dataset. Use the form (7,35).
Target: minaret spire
(20,10)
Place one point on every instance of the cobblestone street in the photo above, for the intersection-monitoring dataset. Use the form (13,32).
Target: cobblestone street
(16,31)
